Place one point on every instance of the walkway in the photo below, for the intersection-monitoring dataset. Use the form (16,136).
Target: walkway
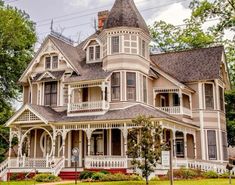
(58,183)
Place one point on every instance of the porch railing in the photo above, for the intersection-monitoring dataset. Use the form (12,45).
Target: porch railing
(176,110)
(89,106)
(105,162)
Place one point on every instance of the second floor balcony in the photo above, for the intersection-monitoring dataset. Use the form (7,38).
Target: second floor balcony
(89,97)
(173,101)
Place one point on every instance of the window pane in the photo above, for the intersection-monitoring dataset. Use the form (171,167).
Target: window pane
(50,93)
(131,86)
(145,89)
(54,62)
(143,48)
(48,62)
(225,146)
(176,101)
(91,53)
(115,44)
(221,94)
(209,96)
(115,83)
(212,151)
(97,52)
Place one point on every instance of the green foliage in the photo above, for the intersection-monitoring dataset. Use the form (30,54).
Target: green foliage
(86,175)
(210,175)
(17,38)
(46,178)
(184,173)
(230,115)
(148,147)
(98,176)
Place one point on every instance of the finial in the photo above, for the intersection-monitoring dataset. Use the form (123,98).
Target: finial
(52,25)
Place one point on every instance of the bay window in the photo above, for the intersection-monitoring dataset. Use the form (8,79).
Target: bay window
(131,86)
(115,44)
(209,96)
(211,139)
(145,89)
(115,86)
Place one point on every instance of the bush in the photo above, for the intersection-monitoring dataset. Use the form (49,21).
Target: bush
(210,175)
(14,177)
(104,172)
(224,175)
(46,178)
(184,173)
(98,176)
(86,175)
(156,178)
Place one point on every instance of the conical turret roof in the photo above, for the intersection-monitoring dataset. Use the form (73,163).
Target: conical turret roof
(125,14)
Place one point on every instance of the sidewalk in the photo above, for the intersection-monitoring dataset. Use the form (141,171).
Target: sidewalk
(58,183)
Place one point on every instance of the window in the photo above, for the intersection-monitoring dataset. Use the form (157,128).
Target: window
(51,93)
(212,151)
(91,53)
(145,89)
(221,98)
(143,48)
(176,101)
(209,98)
(48,62)
(179,144)
(225,146)
(115,44)
(97,52)
(131,86)
(54,62)
(115,85)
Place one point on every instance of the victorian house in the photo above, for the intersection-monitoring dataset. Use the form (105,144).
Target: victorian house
(86,96)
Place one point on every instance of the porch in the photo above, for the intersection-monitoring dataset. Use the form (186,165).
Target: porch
(88,97)
(173,101)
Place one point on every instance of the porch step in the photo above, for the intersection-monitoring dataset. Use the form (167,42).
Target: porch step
(68,175)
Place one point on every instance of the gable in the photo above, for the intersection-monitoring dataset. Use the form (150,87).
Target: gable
(37,65)
(26,115)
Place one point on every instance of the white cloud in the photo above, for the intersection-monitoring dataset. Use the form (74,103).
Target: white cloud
(174,14)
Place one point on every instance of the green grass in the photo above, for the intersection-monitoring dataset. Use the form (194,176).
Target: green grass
(17,183)
(186,182)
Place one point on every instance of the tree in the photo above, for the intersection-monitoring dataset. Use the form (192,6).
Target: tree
(17,39)
(146,150)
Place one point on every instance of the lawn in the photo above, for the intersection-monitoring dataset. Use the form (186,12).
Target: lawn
(193,182)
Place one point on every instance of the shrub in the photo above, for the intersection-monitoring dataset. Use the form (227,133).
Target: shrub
(86,175)
(224,175)
(189,174)
(98,176)
(46,178)
(104,172)
(184,173)
(156,178)
(135,178)
(210,175)
(14,177)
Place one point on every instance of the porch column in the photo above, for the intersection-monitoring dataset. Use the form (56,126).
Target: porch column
(69,148)
(88,134)
(80,148)
(185,146)
(64,134)
(110,142)
(181,101)
(174,143)
(195,146)
(103,95)
(35,144)
(53,143)
(125,135)
(10,144)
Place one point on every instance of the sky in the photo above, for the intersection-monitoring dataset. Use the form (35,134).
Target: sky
(75,18)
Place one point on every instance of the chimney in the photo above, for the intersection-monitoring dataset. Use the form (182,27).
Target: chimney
(102,16)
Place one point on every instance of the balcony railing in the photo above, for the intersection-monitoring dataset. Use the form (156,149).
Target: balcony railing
(88,106)
(105,162)
(176,110)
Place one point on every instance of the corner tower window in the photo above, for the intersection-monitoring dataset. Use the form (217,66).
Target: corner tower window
(115,44)
(211,137)
(115,85)
(209,97)
(131,86)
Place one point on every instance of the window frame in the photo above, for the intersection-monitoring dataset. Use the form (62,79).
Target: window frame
(51,62)
(116,86)
(143,48)
(51,93)
(221,99)
(94,53)
(213,98)
(128,87)
(117,44)
(210,157)
(145,89)
(48,62)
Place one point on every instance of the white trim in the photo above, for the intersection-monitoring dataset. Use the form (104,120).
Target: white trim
(48,73)
(220,138)
(90,40)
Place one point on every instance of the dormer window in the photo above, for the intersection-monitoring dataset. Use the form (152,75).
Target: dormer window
(115,44)
(93,53)
(51,62)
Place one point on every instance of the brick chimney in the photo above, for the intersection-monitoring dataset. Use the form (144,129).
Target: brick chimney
(102,16)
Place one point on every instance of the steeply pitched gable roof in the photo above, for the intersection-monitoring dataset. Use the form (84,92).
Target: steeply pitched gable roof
(191,65)
(125,14)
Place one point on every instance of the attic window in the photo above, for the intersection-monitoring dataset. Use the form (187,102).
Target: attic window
(51,62)
(94,53)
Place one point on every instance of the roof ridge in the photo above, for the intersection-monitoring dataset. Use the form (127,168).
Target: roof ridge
(187,50)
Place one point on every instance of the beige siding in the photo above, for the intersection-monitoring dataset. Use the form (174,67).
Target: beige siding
(34,93)
(26,94)
(195,96)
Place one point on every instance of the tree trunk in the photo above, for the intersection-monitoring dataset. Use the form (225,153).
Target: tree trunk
(147,180)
